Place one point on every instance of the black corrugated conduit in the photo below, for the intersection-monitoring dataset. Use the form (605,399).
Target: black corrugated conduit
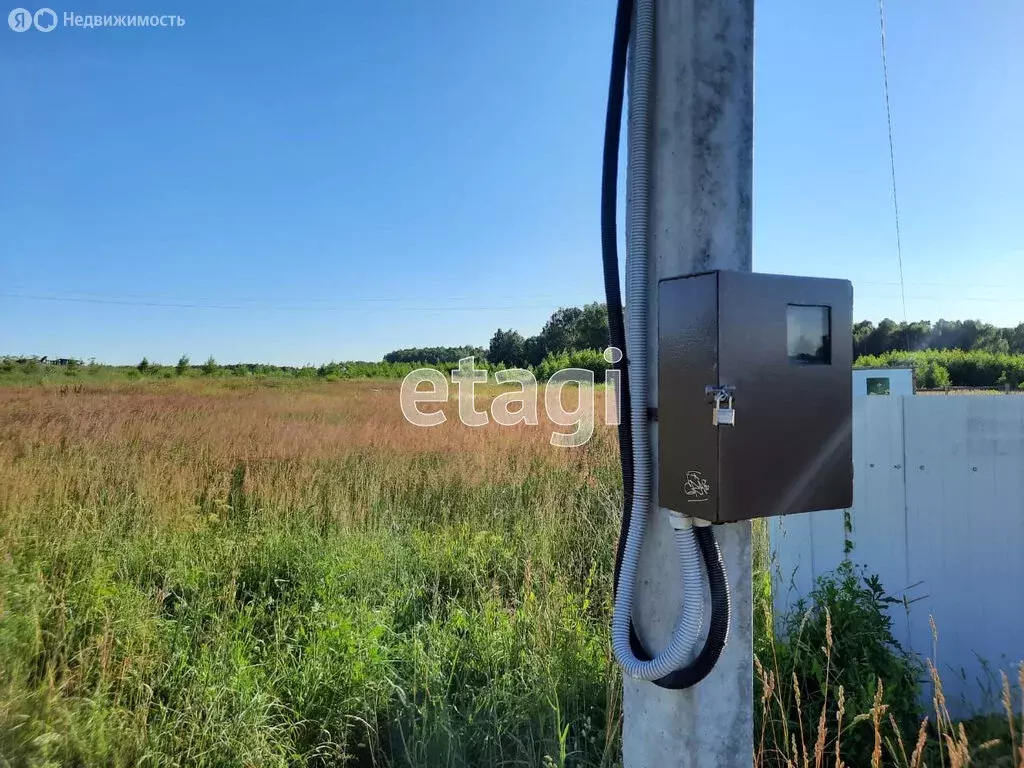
(610,258)
(718,631)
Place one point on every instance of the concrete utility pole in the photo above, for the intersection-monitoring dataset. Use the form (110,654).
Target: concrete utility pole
(701,177)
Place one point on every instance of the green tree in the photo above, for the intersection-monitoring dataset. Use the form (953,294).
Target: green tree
(534,350)
(508,348)
(182,367)
(915,335)
(1015,338)
(990,339)
(210,366)
(862,333)
(888,336)
(561,331)
(592,327)
(933,375)
(143,365)
(948,334)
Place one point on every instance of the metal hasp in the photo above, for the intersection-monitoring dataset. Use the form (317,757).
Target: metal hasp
(776,351)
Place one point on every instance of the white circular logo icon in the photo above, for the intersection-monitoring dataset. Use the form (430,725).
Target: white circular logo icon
(20,20)
(45,20)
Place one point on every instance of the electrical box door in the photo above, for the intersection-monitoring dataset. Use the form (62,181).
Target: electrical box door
(754,395)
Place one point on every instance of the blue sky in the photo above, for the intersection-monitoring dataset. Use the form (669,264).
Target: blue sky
(335,180)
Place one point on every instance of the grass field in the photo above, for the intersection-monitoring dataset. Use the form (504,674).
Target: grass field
(239,573)
(195,574)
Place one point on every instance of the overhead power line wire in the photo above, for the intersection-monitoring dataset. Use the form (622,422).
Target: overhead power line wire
(957,286)
(123,296)
(892,159)
(269,307)
(992,300)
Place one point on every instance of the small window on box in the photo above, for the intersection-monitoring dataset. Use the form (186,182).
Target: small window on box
(878,386)
(809,334)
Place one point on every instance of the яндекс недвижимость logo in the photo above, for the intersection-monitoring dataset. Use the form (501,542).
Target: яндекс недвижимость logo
(22,19)
(47,20)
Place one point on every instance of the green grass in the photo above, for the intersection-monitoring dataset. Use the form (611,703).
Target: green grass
(461,625)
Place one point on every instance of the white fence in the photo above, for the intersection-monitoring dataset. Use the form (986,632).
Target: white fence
(939,516)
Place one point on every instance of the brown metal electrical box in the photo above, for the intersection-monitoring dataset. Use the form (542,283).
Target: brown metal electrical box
(754,395)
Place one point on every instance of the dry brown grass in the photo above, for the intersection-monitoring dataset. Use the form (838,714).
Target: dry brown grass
(940,740)
(172,443)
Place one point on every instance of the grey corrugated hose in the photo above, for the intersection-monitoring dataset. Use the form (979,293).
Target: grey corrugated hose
(687,630)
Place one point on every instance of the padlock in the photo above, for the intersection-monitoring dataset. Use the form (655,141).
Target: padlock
(723,417)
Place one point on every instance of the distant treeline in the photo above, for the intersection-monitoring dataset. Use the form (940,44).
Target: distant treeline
(34,368)
(968,335)
(25,370)
(573,337)
(569,331)
(576,335)
(574,329)
(434,355)
(944,353)
(966,353)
